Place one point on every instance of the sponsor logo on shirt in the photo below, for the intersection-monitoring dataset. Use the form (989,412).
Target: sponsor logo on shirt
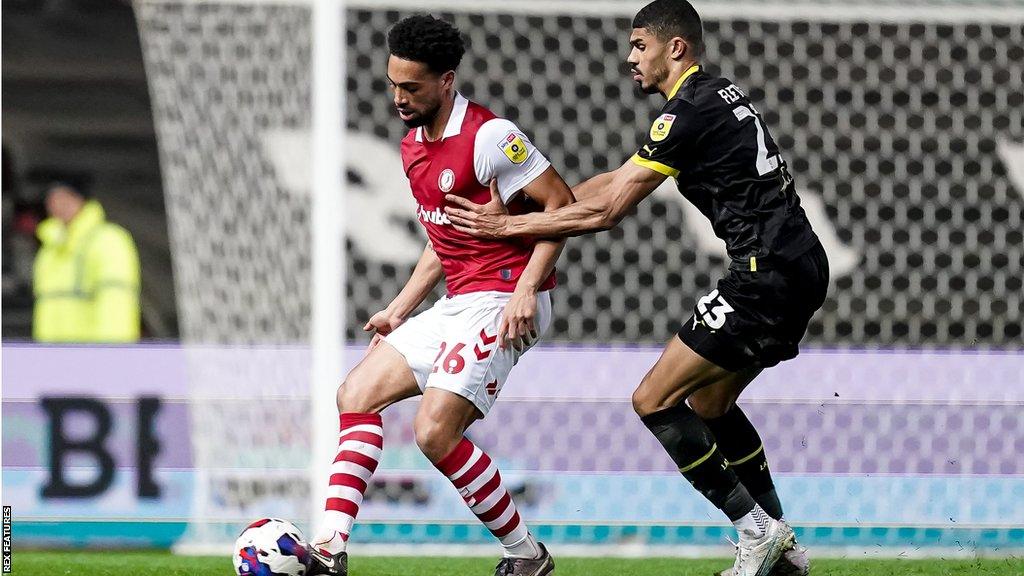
(435,216)
(514,148)
(661,127)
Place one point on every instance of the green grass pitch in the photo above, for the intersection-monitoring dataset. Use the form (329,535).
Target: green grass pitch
(32,563)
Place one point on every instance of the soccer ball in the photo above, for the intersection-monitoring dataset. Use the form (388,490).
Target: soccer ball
(271,547)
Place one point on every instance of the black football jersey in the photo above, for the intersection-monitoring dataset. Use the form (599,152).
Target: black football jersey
(711,139)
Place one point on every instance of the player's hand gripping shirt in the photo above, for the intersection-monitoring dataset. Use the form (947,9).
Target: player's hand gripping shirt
(475,147)
(711,139)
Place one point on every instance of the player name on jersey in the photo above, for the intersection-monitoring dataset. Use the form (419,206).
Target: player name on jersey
(711,139)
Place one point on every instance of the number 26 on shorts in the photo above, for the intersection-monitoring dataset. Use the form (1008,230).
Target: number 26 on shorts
(453,363)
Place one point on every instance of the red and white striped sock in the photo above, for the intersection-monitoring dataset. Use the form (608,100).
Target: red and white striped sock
(479,482)
(360,444)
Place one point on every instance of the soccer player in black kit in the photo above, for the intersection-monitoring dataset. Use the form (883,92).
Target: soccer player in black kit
(711,139)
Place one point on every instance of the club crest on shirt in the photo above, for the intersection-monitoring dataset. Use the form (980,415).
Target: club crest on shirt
(661,127)
(446,181)
(514,148)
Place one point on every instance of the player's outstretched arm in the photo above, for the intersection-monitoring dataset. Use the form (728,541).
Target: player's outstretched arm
(601,210)
(592,186)
(425,276)
(517,323)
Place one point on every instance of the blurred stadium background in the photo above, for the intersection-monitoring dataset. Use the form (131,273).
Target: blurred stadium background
(898,431)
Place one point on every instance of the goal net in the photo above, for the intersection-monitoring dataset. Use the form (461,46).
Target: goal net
(235,98)
(902,124)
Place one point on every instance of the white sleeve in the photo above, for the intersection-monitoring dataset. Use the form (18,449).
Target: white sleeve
(502,151)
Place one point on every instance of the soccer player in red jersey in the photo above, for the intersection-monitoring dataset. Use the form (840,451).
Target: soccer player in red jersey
(459,352)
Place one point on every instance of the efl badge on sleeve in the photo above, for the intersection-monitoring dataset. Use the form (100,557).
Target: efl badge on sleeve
(514,147)
(661,126)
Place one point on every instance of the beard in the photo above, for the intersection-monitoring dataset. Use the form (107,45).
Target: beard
(422,119)
(415,122)
(641,89)
(649,90)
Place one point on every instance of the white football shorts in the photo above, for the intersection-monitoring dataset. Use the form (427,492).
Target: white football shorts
(454,345)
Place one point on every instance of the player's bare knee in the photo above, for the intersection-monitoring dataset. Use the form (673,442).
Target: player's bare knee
(347,398)
(640,401)
(340,397)
(436,439)
(354,395)
(645,401)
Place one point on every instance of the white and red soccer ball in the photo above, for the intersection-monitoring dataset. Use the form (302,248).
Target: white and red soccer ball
(271,547)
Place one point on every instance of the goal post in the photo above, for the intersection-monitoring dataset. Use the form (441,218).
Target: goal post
(249,107)
(328,240)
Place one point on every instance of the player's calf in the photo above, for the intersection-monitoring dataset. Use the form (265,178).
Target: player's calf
(381,379)
(440,422)
(360,445)
(743,448)
(479,482)
(692,447)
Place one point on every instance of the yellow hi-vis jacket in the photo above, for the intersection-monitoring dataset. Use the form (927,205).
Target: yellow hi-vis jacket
(86,280)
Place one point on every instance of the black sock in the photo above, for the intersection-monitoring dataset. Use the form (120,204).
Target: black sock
(692,447)
(742,447)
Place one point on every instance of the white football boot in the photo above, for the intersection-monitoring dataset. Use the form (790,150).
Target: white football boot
(794,562)
(757,556)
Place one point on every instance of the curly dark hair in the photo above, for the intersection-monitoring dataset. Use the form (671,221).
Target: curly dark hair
(429,40)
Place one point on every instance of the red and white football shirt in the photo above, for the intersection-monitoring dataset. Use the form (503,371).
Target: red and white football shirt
(476,146)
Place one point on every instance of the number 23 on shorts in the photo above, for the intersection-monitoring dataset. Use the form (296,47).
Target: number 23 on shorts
(714,316)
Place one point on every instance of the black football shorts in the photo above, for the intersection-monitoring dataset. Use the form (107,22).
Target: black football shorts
(756,318)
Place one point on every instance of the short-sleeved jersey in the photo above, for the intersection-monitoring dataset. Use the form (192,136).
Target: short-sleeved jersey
(475,147)
(711,139)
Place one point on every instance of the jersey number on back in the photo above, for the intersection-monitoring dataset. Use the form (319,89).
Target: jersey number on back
(765,165)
